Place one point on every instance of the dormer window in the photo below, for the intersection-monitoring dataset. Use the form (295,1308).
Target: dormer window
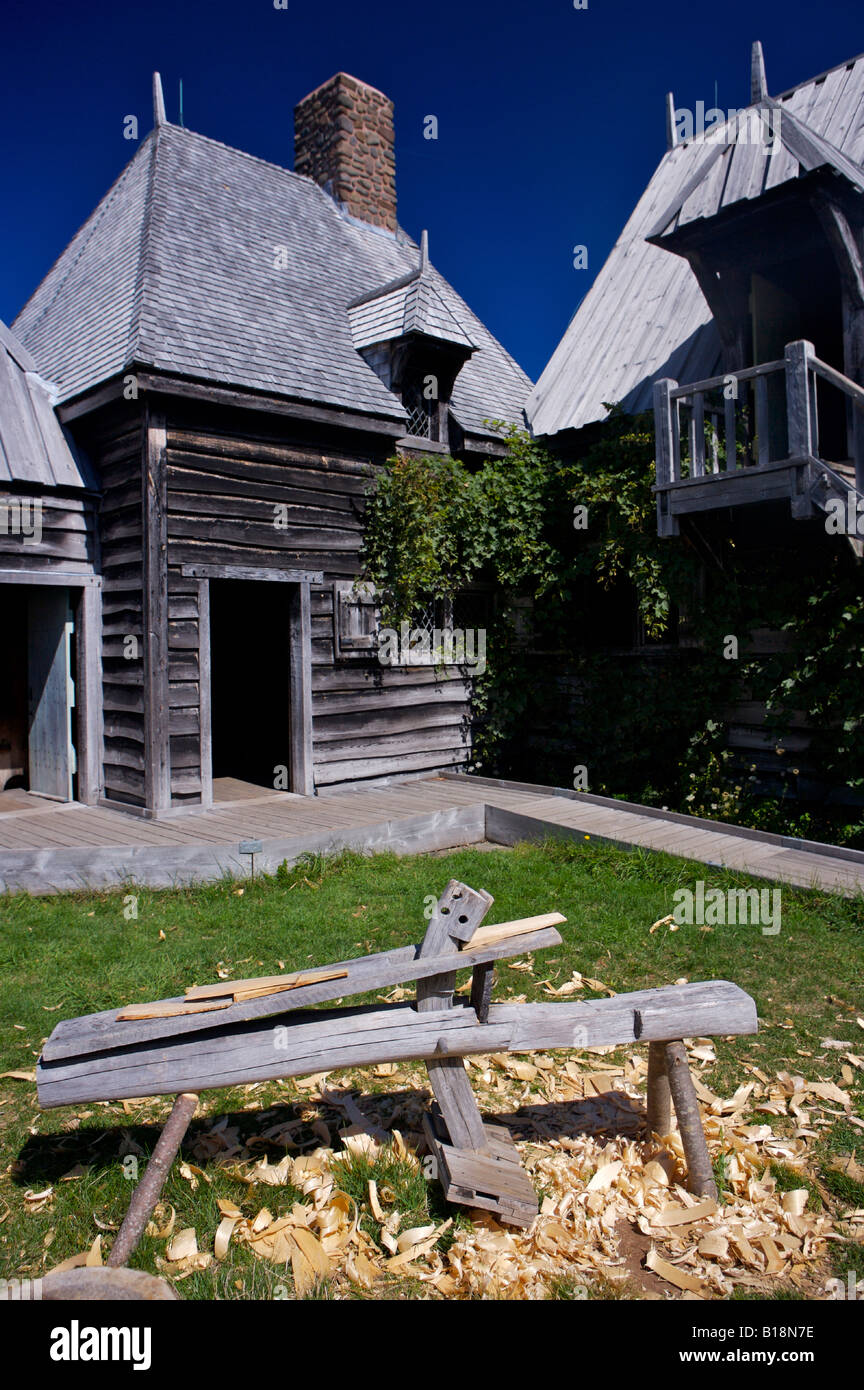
(410,336)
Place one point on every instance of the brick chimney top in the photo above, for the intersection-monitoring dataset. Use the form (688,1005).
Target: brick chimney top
(343,139)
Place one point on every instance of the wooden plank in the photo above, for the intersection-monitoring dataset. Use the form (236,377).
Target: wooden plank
(263,984)
(205,711)
(252,572)
(166,1008)
(502,931)
(99,1032)
(278,1047)
(492,1179)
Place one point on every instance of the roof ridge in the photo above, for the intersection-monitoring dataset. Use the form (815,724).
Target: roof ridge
(140,291)
(817,77)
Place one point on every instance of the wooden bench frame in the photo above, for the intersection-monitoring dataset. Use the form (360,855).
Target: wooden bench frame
(176,1051)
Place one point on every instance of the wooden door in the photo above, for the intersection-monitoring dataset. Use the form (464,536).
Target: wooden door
(50,752)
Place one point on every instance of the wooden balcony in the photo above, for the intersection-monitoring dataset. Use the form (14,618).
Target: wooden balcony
(754,436)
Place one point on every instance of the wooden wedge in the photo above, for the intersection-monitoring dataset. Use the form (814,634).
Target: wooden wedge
(501,931)
(254,988)
(172,1008)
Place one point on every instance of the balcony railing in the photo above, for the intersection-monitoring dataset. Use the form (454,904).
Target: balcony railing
(754,435)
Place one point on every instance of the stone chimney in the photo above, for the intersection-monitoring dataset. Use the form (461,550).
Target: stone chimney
(343,139)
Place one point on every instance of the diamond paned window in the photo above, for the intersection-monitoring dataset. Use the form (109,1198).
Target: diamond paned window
(421,415)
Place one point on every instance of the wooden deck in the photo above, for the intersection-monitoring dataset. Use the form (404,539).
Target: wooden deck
(49,847)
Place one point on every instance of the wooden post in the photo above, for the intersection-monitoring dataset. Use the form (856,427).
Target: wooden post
(147,1193)
(88,694)
(300,657)
(800,421)
(458,913)
(667,459)
(689,1121)
(697,449)
(658,1115)
(157,743)
(481,989)
(668,465)
(205,695)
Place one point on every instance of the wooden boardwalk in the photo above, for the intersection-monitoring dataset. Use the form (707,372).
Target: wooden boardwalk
(48,847)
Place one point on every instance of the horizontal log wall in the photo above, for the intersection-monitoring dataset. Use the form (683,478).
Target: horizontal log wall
(68,541)
(226,483)
(114,442)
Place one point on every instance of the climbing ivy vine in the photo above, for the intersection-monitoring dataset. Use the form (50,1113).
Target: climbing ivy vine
(560,531)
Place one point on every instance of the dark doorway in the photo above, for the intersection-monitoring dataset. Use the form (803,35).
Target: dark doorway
(13,689)
(801,298)
(250,681)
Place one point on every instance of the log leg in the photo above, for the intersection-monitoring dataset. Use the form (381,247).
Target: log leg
(658,1116)
(148,1191)
(689,1121)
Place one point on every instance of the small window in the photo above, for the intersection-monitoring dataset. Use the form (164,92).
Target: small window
(422,412)
(355,618)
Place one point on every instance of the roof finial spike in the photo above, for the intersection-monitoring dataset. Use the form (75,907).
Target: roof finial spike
(158,101)
(758,83)
(671,128)
(424,249)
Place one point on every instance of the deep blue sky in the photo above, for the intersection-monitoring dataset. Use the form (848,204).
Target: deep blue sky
(551,120)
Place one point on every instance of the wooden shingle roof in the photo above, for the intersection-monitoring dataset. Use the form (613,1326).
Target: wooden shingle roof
(206,262)
(34,449)
(645,316)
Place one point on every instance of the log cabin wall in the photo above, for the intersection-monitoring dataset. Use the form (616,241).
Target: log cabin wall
(228,474)
(68,526)
(114,440)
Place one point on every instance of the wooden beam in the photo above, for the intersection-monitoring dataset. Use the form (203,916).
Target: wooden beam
(458,912)
(671,128)
(205,698)
(295,1044)
(260,574)
(88,694)
(302,773)
(758,82)
(273,405)
(101,1032)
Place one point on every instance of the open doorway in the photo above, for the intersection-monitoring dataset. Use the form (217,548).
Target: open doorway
(801,298)
(250,681)
(37,683)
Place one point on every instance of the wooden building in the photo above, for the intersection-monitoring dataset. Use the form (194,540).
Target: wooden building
(235,348)
(742,266)
(733,304)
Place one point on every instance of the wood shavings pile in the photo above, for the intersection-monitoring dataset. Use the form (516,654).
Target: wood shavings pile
(614,1205)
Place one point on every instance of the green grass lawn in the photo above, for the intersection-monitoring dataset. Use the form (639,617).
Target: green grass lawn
(75,954)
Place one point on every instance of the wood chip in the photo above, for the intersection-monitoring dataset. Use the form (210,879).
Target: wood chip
(672,1274)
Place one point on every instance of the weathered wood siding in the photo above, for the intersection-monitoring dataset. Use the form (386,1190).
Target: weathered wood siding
(115,445)
(68,541)
(228,476)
